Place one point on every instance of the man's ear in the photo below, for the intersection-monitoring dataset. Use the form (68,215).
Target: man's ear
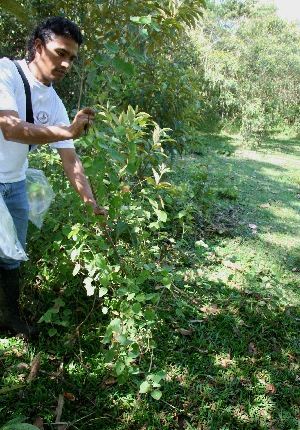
(38,45)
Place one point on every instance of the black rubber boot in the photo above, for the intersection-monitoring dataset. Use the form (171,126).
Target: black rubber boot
(9,306)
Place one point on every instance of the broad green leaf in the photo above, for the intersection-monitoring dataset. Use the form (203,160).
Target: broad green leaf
(145,19)
(16,420)
(136,308)
(141,19)
(46,317)
(112,47)
(134,350)
(52,332)
(120,367)
(102,60)
(59,302)
(120,130)
(102,291)
(122,339)
(17,10)
(144,33)
(131,169)
(162,374)
(181,214)
(145,387)
(161,215)
(121,227)
(110,355)
(12,388)
(150,315)
(153,203)
(104,280)
(130,114)
(166,282)
(156,394)
(123,66)
(113,327)
(21,426)
(141,297)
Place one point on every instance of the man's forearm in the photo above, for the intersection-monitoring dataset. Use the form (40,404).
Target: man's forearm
(16,130)
(75,173)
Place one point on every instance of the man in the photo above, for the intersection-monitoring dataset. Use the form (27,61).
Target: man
(52,48)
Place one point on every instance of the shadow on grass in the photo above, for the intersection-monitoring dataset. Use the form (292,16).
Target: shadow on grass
(284,146)
(237,368)
(268,193)
(221,144)
(235,365)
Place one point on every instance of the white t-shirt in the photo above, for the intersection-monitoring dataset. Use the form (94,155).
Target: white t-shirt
(48,109)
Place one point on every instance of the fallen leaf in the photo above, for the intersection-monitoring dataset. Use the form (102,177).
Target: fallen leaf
(225,362)
(35,367)
(185,332)
(58,372)
(236,331)
(111,380)
(17,353)
(252,348)
(212,310)
(69,396)
(22,366)
(252,226)
(233,266)
(248,292)
(245,382)
(270,389)
(39,423)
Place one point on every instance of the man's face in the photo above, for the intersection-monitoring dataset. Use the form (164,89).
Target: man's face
(54,60)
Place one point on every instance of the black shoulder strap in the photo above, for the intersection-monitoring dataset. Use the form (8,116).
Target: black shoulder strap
(29,112)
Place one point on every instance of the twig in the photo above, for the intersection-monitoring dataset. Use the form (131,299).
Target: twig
(106,230)
(108,237)
(151,360)
(59,408)
(68,424)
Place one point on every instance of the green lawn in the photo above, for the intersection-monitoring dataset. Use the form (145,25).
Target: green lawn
(228,328)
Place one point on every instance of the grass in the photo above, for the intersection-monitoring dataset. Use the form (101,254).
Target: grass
(228,328)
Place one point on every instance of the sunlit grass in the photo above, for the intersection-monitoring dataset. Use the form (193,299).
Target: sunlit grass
(228,327)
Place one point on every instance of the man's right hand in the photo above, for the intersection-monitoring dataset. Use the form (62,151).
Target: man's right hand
(82,121)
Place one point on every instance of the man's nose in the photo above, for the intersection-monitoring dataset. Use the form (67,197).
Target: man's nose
(66,63)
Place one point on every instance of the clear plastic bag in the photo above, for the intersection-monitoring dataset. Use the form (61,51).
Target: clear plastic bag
(40,195)
(10,247)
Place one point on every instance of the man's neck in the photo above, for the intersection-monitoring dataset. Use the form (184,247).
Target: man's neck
(37,74)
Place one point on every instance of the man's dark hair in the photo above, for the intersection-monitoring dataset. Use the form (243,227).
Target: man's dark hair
(56,26)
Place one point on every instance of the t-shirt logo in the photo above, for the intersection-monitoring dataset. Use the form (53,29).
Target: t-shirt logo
(42,117)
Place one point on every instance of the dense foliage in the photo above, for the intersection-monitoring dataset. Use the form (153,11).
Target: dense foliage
(250,59)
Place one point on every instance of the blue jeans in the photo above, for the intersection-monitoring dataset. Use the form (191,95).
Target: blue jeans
(15,197)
